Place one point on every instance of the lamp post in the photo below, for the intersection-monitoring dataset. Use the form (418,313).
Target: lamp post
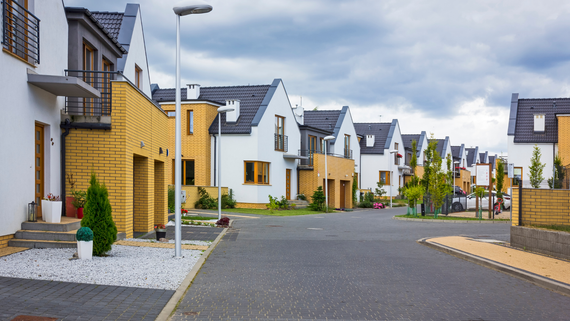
(326,139)
(391,176)
(220,111)
(182,8)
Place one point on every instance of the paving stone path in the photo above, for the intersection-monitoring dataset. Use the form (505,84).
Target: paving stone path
(360,265)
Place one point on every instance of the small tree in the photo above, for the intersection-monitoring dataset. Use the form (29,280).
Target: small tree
(536,168)
(380,190)
(414,160)
(354,189)
(500,177)
(438,186)
(413,193)
(558,173)
(318,199)
(98,217)
(480,194)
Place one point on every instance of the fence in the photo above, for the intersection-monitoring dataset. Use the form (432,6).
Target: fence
(20,32)
(533,206)
(451,204)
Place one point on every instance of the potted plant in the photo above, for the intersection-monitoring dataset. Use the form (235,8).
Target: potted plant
(84,238)
(160,231)
(51,209)
(70,210)
(79,199)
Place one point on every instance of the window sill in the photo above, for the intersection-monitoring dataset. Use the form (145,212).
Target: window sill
(256,184)
(18,57)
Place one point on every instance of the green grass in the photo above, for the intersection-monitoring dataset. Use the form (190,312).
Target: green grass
(443,217)
(294,212)
(198,218)
(562,228)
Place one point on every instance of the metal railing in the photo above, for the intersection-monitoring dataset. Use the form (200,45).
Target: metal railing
(20,31)
(281,143)
(100,80)
(310,154)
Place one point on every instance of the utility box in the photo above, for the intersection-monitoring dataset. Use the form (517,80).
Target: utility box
(183,196)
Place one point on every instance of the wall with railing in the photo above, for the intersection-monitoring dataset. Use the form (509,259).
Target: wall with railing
(533,206)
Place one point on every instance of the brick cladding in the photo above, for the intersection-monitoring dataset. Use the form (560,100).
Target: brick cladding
(542,207)
(114,154)
(564,139)
(4,240)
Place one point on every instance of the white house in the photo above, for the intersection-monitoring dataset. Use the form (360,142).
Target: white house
(421,146)
(378,164)
(472,157)
(443,148)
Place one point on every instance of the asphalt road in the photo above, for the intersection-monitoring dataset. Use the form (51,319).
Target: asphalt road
(359,265)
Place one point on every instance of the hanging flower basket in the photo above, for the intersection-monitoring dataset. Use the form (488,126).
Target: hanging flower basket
(399,155)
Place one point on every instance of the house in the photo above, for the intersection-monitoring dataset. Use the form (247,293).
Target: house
(484,158)
(342,152)
(378,163)
(472,158)
(421,146)
(443,149)
(119,136)
(254,163)
(33,90)
(462,174)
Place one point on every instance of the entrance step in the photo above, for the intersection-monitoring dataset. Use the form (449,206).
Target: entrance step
(36,244)
(67,224)
(299,203)
(46,235)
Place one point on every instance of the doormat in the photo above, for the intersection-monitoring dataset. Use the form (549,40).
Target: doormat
(33,318)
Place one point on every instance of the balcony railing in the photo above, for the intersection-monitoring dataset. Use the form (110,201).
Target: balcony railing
(311,156)
(20,32)
(100,80)
(281,143)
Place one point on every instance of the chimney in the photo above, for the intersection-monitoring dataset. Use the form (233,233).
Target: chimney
(232,116)
(539,123)
(369,140)
(193,91)
(299,113)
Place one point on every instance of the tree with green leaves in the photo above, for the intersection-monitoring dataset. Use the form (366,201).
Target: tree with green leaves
(449,173)
(536,168)
(558,173)
(500,173)
(354,189)
(413,193)
(429,153)
(438,187)
(318,199)
(98,217)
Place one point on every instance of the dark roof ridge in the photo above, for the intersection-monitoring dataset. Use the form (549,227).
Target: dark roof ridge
(239,86)
(109,12)
(568,98)
(100,25)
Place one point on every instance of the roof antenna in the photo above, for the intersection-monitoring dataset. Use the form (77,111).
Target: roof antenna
(380,117)
(301,103)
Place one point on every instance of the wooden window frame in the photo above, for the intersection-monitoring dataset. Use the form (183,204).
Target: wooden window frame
(138,76)
(88,77)
(522,172)
(182,162)
(396,145)
(346,146)
(265,172)
(190,124)
(322,144)
(388,178)
(280,131)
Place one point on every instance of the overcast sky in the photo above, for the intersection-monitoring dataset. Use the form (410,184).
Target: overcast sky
(446,67)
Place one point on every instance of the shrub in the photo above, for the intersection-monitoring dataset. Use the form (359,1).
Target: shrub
(98,217)
(228,201)
(318,203)
(205,201)
(78,198)
(224,221)
(84,234)
(171,199)
(368,201)
(273,204)
(301,197)
(283,204)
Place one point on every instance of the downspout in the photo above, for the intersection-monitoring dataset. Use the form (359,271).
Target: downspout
(298,183)
(215,162)
(66,127)
(553,164)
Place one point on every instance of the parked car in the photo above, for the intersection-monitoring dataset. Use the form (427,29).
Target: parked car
(471,200)
(458,191)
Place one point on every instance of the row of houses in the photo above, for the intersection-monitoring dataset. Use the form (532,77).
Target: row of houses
(79,89)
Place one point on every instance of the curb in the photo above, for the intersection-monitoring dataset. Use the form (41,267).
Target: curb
(544,282)
(449,221)
(179,294)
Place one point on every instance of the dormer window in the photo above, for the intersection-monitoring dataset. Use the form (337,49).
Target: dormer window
(539,123)
(369,140)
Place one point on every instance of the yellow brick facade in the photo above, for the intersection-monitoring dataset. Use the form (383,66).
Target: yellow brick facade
(564,139)
(340,176)
(464,180)
(135,176)
(542,207)
(192,194)
(4,240)
(195,146)
(251,205)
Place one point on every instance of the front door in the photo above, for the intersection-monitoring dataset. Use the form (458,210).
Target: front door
(288,184)
(342,194)
(39,166)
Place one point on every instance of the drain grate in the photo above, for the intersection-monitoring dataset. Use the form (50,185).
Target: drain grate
(191,313)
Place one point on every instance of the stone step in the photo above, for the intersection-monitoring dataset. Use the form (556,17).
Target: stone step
(299,203)
(46,235)
(66,225)
(36,244)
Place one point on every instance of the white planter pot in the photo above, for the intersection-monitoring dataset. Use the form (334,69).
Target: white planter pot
(51,211)
(85,250)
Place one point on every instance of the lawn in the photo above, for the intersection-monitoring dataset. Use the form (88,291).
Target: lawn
(562,228)
(294,212)
(198,218)
(443,217)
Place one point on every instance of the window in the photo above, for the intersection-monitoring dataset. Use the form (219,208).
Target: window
(20,32)
(171,113)
(312,148)
(138,76)
(88,77)
(187,172)
(256,172)
(396,154)
(322,144)
(384,178)
(190,121)
(518,176)
(346,146)
(106,90)
(279,133)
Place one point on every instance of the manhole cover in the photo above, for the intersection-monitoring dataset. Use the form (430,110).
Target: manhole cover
(191,313)
(273,225)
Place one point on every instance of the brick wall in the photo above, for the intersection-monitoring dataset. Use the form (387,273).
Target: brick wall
(4,240)
(542,206)
(564,139)
(192,194)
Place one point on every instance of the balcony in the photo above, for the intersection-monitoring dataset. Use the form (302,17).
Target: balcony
(20,32)
(100,80)
(281,143)
(310,154)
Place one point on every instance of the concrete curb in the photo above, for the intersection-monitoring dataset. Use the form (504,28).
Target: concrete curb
(179,294)
(549,284)
(449,221)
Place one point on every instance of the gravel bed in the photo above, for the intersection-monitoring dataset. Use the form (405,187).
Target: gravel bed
(172,223)
(142,267)
(204,243)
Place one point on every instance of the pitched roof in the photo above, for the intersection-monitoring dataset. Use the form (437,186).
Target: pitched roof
(110,20)
(439,146)
(492,161)
(322,119)
(253,100)
(408,138)
(381,132)
(471,155)
(456,151)
(521,119)
(482,157)
(99,25)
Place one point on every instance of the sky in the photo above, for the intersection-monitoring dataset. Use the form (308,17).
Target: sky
(445,67)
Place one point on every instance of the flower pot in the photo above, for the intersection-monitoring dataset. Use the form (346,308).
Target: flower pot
(85,250)
(80,212)
(160,234)
(51,211)
(69,208)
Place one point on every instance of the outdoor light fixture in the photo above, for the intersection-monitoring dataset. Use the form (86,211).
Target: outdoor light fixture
(181,8)
(221,110)
(391,176)
(32,212)
(326,139)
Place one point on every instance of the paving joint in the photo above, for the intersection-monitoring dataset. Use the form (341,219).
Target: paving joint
(449,221)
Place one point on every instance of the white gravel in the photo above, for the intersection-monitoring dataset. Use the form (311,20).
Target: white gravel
(205,243)
(142,267)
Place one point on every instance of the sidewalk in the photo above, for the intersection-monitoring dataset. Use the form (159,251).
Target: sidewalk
(541,270)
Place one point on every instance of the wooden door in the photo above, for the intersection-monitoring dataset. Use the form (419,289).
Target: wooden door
(342,193)
(288,184)
(39,166)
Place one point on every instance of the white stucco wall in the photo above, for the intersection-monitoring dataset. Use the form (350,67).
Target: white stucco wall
(259,146)
(347,128)
(137,55)
(425,144)
(520,154)
(25,105)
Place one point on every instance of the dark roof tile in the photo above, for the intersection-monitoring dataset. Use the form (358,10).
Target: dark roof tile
(110,20)
(380,132)
(527,108)
(321,119)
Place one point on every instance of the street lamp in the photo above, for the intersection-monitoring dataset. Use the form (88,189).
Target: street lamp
(326,139)
(221,110)
(182,8)
(391,176)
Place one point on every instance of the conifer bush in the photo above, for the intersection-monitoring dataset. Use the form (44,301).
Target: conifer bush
(98,217)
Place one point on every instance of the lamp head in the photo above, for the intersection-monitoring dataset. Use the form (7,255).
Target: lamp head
(225,109)
(328,138)
(186,7)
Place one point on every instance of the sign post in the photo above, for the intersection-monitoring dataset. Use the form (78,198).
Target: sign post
(484,179)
